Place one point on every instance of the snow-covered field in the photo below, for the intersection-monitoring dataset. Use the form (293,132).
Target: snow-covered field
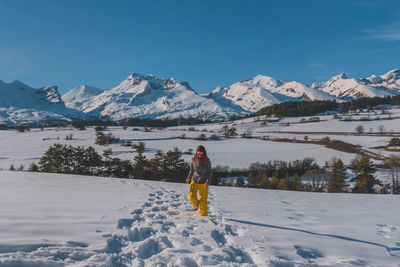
(26,148)
(67,220)
(70,220)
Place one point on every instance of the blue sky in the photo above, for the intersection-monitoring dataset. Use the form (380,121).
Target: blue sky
(207,43)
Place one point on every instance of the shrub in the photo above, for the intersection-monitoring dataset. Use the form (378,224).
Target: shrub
(214,137)
(201,137)
(22,129)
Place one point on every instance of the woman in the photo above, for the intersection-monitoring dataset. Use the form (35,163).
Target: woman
(199,178)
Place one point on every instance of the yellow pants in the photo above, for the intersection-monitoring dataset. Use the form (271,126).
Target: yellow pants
(202,202)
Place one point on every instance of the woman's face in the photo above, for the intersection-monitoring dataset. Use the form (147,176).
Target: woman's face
(200,154)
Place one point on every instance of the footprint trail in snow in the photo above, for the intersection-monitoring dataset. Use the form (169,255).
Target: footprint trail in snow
(165,230)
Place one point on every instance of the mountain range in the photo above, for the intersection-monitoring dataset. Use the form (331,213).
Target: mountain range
(22,104)
(147,96)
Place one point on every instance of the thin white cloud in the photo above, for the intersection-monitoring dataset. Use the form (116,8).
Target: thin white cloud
(390,32)
(381,51)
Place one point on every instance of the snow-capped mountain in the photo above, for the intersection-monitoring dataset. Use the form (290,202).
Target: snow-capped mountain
(344,87)
(20,103)
(77,97)
(147,96)
(390,80)
(261,91)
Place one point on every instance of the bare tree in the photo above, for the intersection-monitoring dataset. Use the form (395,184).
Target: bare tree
(316,180)
(359,129)
(381,129)
(393,165)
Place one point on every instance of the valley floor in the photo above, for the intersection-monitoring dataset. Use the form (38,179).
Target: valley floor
(69,220)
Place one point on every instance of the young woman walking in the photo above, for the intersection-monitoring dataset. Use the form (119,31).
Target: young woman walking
(199,178)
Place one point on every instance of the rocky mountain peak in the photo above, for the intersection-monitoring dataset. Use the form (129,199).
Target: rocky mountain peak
(50,94)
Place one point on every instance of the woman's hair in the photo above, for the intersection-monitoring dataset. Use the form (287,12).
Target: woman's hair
(201,148)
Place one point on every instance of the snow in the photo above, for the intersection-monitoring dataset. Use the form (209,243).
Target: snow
(20,103)
(72,220)
(342,86)
(76,97)
(147,96)
(26,148)
(389,80)
(69,220)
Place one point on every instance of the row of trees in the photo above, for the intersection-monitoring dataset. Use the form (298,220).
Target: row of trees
(368,102)
(86,161)
(298,108)
(310,108)
(298,175)
(316,179)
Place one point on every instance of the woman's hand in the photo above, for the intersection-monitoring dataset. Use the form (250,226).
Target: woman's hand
(206,185)
(188,180)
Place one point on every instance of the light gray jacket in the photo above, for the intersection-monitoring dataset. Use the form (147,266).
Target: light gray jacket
(200,171)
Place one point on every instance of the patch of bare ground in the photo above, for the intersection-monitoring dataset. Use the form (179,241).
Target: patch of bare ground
(332,144)
(390,134)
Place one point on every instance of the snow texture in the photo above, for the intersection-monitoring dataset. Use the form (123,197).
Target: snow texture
(69,220)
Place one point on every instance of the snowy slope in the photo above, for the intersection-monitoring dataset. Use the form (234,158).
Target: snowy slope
(20,103)
(243,98)
(303,92)
(342,86)
(261,91)
(148,96)
(72,220)
(77,97)
(389,80)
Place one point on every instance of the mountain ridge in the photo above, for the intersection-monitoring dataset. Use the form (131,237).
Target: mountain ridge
(148,96)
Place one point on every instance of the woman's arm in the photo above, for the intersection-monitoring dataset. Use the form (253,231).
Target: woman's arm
(191,171)
(209,172)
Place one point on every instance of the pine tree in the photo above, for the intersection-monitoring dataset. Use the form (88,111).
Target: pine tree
(274,181)
(68,159)
(251,179)
(296,184)
(336,179)
(121,168)
(364,171)
(264,182)
(107,154)
(174,167)
(260,178)
(156,167)
(140,165)
(33,168)
(394,142)
(54,159)
(284,184)
(91,161)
